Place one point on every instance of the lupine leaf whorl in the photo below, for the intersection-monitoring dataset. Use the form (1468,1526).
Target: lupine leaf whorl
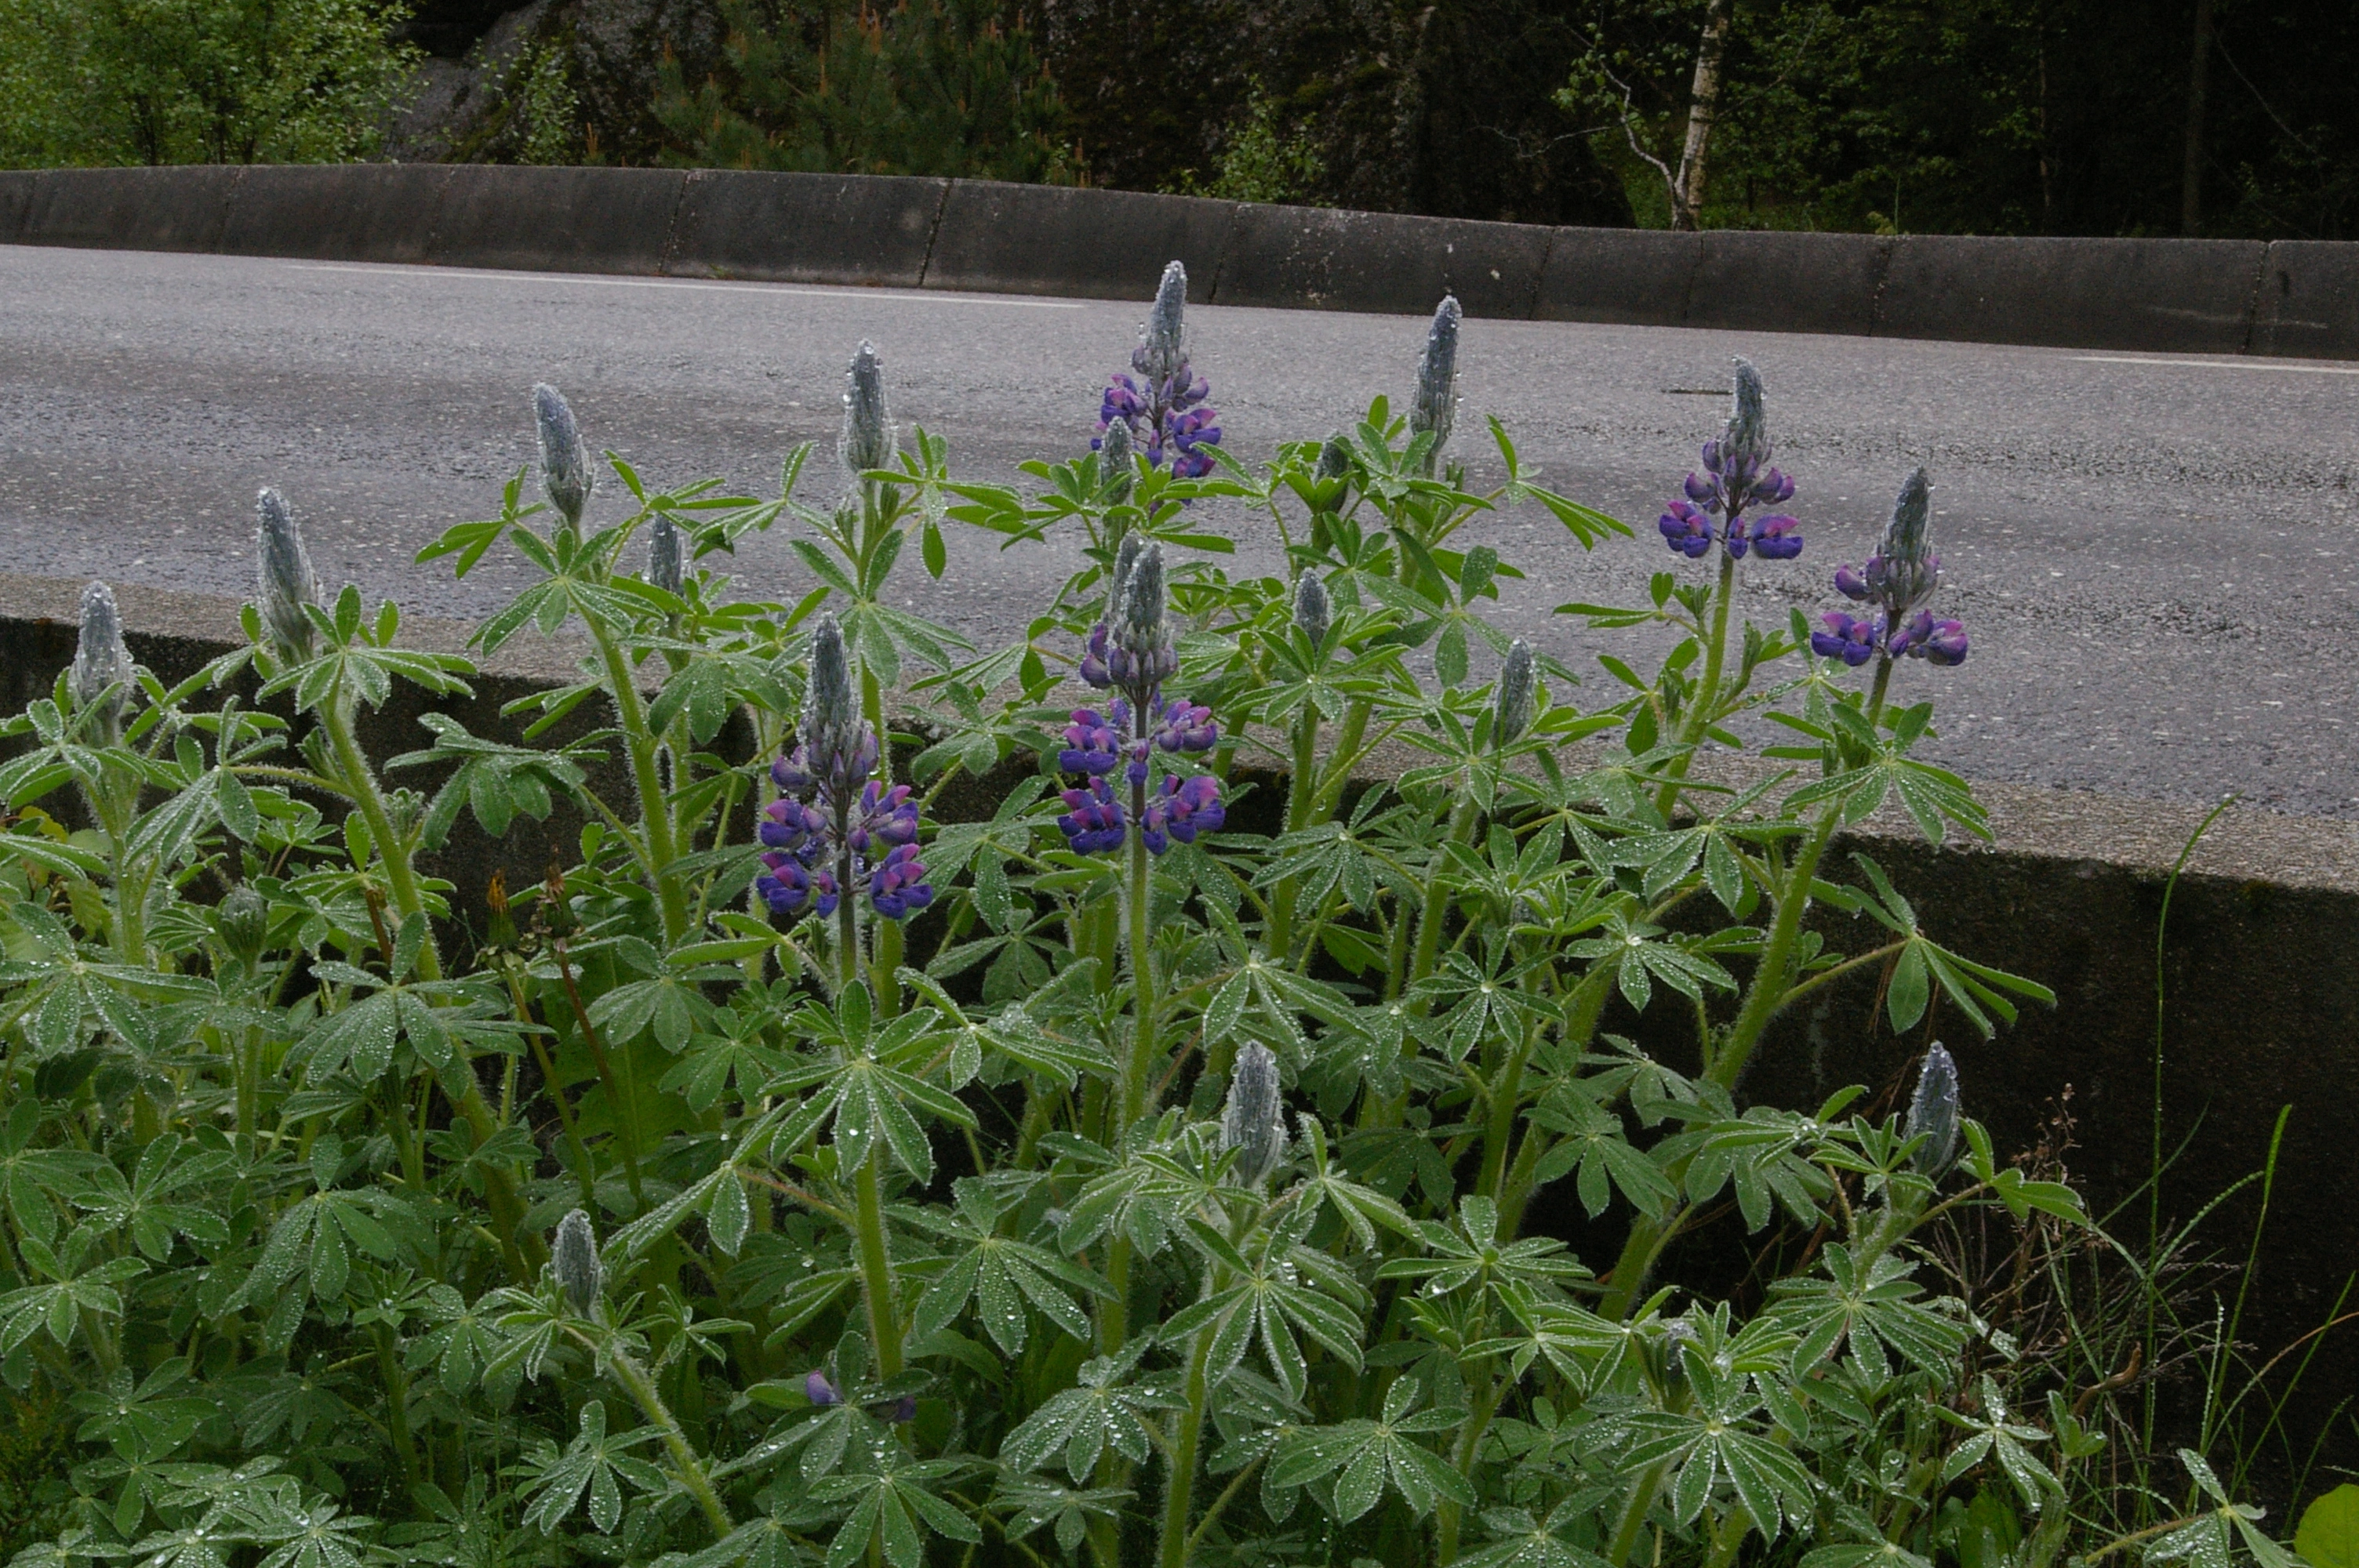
(1115,462)
(1747,436)
(285,577)
(664,568)
(565,476)
(1162,342)
(1311,609)
(573,1259)
(867,441)
(1933,1113)
(1513,712)
(1252,1118)
(101,659)
(1436,407)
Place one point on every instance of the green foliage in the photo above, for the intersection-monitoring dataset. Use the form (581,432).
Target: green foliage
(930,87)
(901,1237)
(2328,1536)
(96,81)
(1264,161)
(1983,116)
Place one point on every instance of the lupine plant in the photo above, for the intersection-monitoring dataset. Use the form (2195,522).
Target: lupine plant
(1257,1135)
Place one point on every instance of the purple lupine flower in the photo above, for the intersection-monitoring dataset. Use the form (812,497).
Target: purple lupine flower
(897,886)
(905,1410)
(1686,529)
(833,826)
(1183,726)
(1093,823)
(1903,574)
(1853,639)
(819,1391)
(1936,641)
(1899,580)
(1163,411)
(1097,667)
(790,824)
(1092,741)
(885,817)
(1182,808)
(1736,476)
(789,887)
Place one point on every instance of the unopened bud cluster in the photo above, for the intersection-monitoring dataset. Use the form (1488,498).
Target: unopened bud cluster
(1896,582)
(1133,653)
(1161,406)
(833,826)
(1736,478)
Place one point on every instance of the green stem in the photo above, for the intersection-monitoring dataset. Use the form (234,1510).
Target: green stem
(1179,1493)
(1433,912)
(1142,970)
(876,1266)
(1764,1000)
(1447,1518)
(654,815)
(1301,791)
(684,1460)
(1707,693)
(623,1105)
(396,1398)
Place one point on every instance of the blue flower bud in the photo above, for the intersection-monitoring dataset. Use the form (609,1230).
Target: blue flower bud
(573,1259)
(1435,407)
(565,476)
(1252,1117)
(1933,1114)
(1310,608)
(283,569)
(867,441)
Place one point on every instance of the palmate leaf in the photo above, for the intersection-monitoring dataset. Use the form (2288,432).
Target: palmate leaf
(1975,989)
(594,1464)
(1107,1407)
(1369,1457)
(895,1507)
(1869,1309)
(999,1273)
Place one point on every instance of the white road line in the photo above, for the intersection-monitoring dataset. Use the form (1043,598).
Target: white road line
(2215,365)
(796,290)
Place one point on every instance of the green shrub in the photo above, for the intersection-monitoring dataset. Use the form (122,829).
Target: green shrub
(100,81)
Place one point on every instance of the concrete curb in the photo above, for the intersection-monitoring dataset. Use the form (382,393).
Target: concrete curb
(2296,298)
(2259,1000)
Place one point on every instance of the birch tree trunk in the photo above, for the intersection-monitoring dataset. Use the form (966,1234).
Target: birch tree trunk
(1703,107)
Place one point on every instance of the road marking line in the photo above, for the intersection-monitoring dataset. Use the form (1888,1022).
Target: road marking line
(750,286)
(2213,365)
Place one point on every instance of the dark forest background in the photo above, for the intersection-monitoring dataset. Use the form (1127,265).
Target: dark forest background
(2214,118)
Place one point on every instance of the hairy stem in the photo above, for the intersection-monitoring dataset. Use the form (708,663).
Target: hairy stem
(655,815)
(877,1266)
(685,1463)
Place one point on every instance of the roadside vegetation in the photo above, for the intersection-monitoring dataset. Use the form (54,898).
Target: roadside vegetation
(1059,1102)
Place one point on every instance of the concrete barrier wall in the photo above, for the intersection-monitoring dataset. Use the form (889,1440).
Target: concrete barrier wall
(2291,297)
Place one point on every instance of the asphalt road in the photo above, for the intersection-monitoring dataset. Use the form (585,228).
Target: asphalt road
(2152,554)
